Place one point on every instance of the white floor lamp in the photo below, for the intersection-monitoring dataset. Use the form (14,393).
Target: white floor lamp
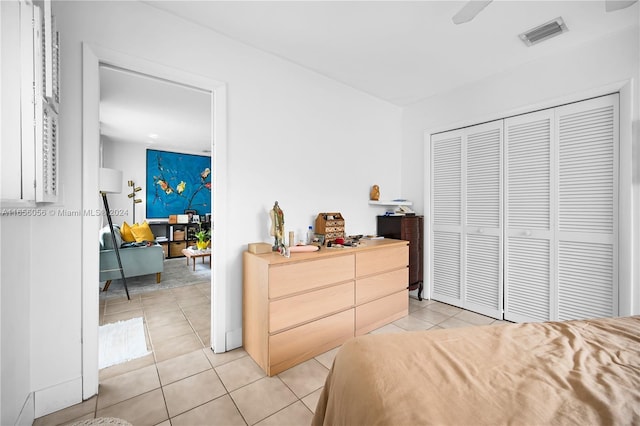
(111,183)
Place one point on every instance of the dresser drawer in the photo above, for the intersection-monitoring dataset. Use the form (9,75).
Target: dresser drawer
(290,311)
(374,261)
(293,278)
(299,344)
(376,286)
(382,311)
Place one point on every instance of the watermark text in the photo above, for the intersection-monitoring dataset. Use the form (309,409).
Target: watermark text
(60,212)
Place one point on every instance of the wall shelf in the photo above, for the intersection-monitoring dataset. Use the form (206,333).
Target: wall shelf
(391,203)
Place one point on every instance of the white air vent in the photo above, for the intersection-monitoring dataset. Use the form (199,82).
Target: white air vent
(544,32)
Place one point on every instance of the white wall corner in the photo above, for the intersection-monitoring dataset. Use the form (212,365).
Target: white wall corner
(27,414)
(57,397)
(234,339)
(635,296)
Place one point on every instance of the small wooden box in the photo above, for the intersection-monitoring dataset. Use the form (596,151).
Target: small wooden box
(176,247)
(178,235)
(259,248)
(331,225)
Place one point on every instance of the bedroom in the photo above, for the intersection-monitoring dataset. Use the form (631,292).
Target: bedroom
(274,106)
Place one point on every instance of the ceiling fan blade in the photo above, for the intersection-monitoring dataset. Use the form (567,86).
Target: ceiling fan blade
(613,5)
(470,10)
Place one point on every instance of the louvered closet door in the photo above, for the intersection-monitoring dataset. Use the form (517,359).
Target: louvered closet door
(529,235)
(466,244)
(482,233)
(446,217)
(587,153)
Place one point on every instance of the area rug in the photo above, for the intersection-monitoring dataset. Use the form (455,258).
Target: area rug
(121,341)
(176,274)
(102,421)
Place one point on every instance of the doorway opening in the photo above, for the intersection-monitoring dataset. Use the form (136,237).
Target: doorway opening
(97,61)
(158,134)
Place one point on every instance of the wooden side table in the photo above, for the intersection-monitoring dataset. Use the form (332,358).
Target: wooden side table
(189,253)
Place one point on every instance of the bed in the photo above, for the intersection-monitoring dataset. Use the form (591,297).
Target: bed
(574,372)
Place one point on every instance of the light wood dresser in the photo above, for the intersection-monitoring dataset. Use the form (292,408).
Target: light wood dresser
(299,307)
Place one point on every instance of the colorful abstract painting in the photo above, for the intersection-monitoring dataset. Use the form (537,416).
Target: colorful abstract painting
(177,182)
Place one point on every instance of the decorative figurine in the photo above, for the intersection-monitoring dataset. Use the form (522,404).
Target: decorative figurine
(375,193)
(277,227)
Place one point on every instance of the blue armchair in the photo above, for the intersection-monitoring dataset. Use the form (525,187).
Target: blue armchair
(136,261)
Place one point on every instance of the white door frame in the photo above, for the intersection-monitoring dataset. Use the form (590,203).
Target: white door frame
(92,57)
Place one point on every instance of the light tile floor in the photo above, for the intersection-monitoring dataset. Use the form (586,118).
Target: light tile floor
(184,383)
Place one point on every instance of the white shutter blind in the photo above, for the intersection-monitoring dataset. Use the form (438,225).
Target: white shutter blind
(528,245)
(587,208)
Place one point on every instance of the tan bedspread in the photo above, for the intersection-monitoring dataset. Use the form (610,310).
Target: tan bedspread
(574,372)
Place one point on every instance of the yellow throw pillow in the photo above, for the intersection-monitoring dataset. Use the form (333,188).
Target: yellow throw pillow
(142,232)
(125,231)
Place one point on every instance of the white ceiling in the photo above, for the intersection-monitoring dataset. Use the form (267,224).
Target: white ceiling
(402,51)
(134,106)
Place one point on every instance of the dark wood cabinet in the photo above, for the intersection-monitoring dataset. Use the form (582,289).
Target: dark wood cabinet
(408,228)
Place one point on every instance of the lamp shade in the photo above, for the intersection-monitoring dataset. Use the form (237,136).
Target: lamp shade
(110,181)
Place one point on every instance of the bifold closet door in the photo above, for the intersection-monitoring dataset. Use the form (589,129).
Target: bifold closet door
(467,218)
(587,208)
(529,224)
(446,217)
(561,183)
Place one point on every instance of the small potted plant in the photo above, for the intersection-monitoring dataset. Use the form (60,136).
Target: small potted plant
(203,236)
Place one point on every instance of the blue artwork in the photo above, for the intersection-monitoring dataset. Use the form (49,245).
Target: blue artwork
(177,182)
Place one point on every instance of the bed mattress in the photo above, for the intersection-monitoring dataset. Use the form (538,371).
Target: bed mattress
(574,372)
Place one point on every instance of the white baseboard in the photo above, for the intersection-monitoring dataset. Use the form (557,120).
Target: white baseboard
(57,397)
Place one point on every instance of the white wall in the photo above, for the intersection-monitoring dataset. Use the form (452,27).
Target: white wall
(15,233)
(15,276)
(293,136)
(568,76)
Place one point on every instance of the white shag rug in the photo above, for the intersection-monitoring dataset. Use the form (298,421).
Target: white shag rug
(108,421)
(121,341)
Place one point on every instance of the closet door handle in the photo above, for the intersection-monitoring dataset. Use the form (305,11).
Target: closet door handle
(481,230)
(527,233)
